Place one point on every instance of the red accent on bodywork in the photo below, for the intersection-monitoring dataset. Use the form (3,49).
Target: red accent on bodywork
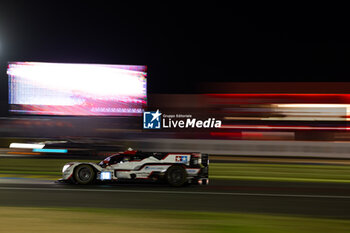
(176,154)
(70,176)
(130,152)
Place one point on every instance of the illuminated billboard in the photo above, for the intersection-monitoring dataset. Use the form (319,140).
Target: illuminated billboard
(76,89)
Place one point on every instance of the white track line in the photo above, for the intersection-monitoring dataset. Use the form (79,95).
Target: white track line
(178,192)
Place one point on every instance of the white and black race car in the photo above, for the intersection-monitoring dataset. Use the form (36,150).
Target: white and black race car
(176,169)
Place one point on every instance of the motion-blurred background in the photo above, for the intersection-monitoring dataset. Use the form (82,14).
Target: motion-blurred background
(77,76)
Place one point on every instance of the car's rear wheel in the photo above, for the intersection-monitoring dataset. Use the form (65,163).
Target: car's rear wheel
(176,175)
(84,174)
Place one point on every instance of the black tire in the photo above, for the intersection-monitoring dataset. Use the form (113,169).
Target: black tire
(84,174)
(176,176)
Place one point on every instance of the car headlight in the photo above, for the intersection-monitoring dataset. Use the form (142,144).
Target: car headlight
(65,167)
(106,175)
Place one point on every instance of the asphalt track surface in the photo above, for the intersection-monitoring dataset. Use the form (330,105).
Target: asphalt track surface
(307,199)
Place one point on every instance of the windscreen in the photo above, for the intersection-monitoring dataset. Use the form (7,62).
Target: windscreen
(76,89)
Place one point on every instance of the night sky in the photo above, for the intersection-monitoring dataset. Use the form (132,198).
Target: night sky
(182,45)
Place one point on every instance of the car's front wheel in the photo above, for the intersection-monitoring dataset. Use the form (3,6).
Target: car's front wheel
(176,175)
(84,174)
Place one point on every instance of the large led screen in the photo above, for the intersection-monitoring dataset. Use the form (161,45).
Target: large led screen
(76,89)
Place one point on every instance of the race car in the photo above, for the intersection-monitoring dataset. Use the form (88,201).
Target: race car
(176,169)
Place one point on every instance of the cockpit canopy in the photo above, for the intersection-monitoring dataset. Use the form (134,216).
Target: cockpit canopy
(113,159)
(130,156)
(123,157)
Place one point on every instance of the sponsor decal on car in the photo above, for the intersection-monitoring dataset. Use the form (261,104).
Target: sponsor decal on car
(181,158)
(192,171)
(155,168)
